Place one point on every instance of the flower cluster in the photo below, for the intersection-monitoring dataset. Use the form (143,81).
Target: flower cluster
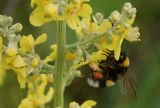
(51,10)
(94,32)
(36,89)
(17,54)
(109,33)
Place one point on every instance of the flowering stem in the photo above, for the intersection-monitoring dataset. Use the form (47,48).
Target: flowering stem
(59,65)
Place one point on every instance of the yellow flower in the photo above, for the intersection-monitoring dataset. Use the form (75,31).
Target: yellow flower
(21,76)
(18,62)
(87,27)
(104,26)
(114,45)
(27,42)
(52,55)
(70,56)
(36,89)
(11,51)
(77,9)
(19,67)
(86,104)
(42,38)
(44,12)
(97,56)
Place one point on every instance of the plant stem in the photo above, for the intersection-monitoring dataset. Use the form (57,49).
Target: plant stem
(59,65)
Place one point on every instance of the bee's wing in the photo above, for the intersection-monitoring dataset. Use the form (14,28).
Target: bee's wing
(127,85)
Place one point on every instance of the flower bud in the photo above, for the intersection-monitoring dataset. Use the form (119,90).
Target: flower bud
(16,27)
(74,105)
(115,17)
(99,17)
(5,21)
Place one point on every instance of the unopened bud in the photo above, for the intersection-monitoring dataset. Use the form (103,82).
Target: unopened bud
(5,21)
(16,27)
(115,16)
(99,17)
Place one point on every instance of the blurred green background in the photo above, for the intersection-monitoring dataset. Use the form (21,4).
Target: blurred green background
(144,57)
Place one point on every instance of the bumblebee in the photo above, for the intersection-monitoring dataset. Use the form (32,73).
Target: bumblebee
(110,71)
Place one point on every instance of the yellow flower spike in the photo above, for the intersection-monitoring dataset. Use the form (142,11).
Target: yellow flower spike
(42,38)
(1,43)
(88,104)
(18,62)
(11,51)
(27,43)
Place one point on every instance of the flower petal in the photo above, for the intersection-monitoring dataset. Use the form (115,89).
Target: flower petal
(42,38)
(37,17)
(27,43)
(18,62)
(85,10)
(71,21)
(88,103)
(117,41)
